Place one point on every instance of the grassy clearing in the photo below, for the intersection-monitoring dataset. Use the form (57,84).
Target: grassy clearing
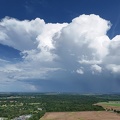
(110,103)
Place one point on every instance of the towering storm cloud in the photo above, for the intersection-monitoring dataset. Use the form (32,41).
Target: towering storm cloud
(77,56)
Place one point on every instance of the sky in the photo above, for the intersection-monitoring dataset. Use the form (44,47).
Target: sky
(60,46)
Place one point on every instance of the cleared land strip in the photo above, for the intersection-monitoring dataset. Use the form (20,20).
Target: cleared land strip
(89,115)
(111,105)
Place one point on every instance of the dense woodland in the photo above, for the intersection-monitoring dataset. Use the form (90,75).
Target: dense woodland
(15,104)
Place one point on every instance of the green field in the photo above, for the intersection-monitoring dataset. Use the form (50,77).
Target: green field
(111,103)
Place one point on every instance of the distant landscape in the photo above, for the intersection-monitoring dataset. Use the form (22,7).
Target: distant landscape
(56,106)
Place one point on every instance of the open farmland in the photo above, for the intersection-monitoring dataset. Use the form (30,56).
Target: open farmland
(56,106)
(89,115)
(111,105)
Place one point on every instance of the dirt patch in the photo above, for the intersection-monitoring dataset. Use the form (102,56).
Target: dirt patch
(94,115)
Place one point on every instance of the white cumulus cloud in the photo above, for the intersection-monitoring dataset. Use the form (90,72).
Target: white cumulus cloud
(49,49)
(80,71)
(96,68)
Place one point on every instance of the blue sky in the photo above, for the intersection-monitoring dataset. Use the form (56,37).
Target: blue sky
(60,46)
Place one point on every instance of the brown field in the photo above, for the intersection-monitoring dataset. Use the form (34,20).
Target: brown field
(90,115)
